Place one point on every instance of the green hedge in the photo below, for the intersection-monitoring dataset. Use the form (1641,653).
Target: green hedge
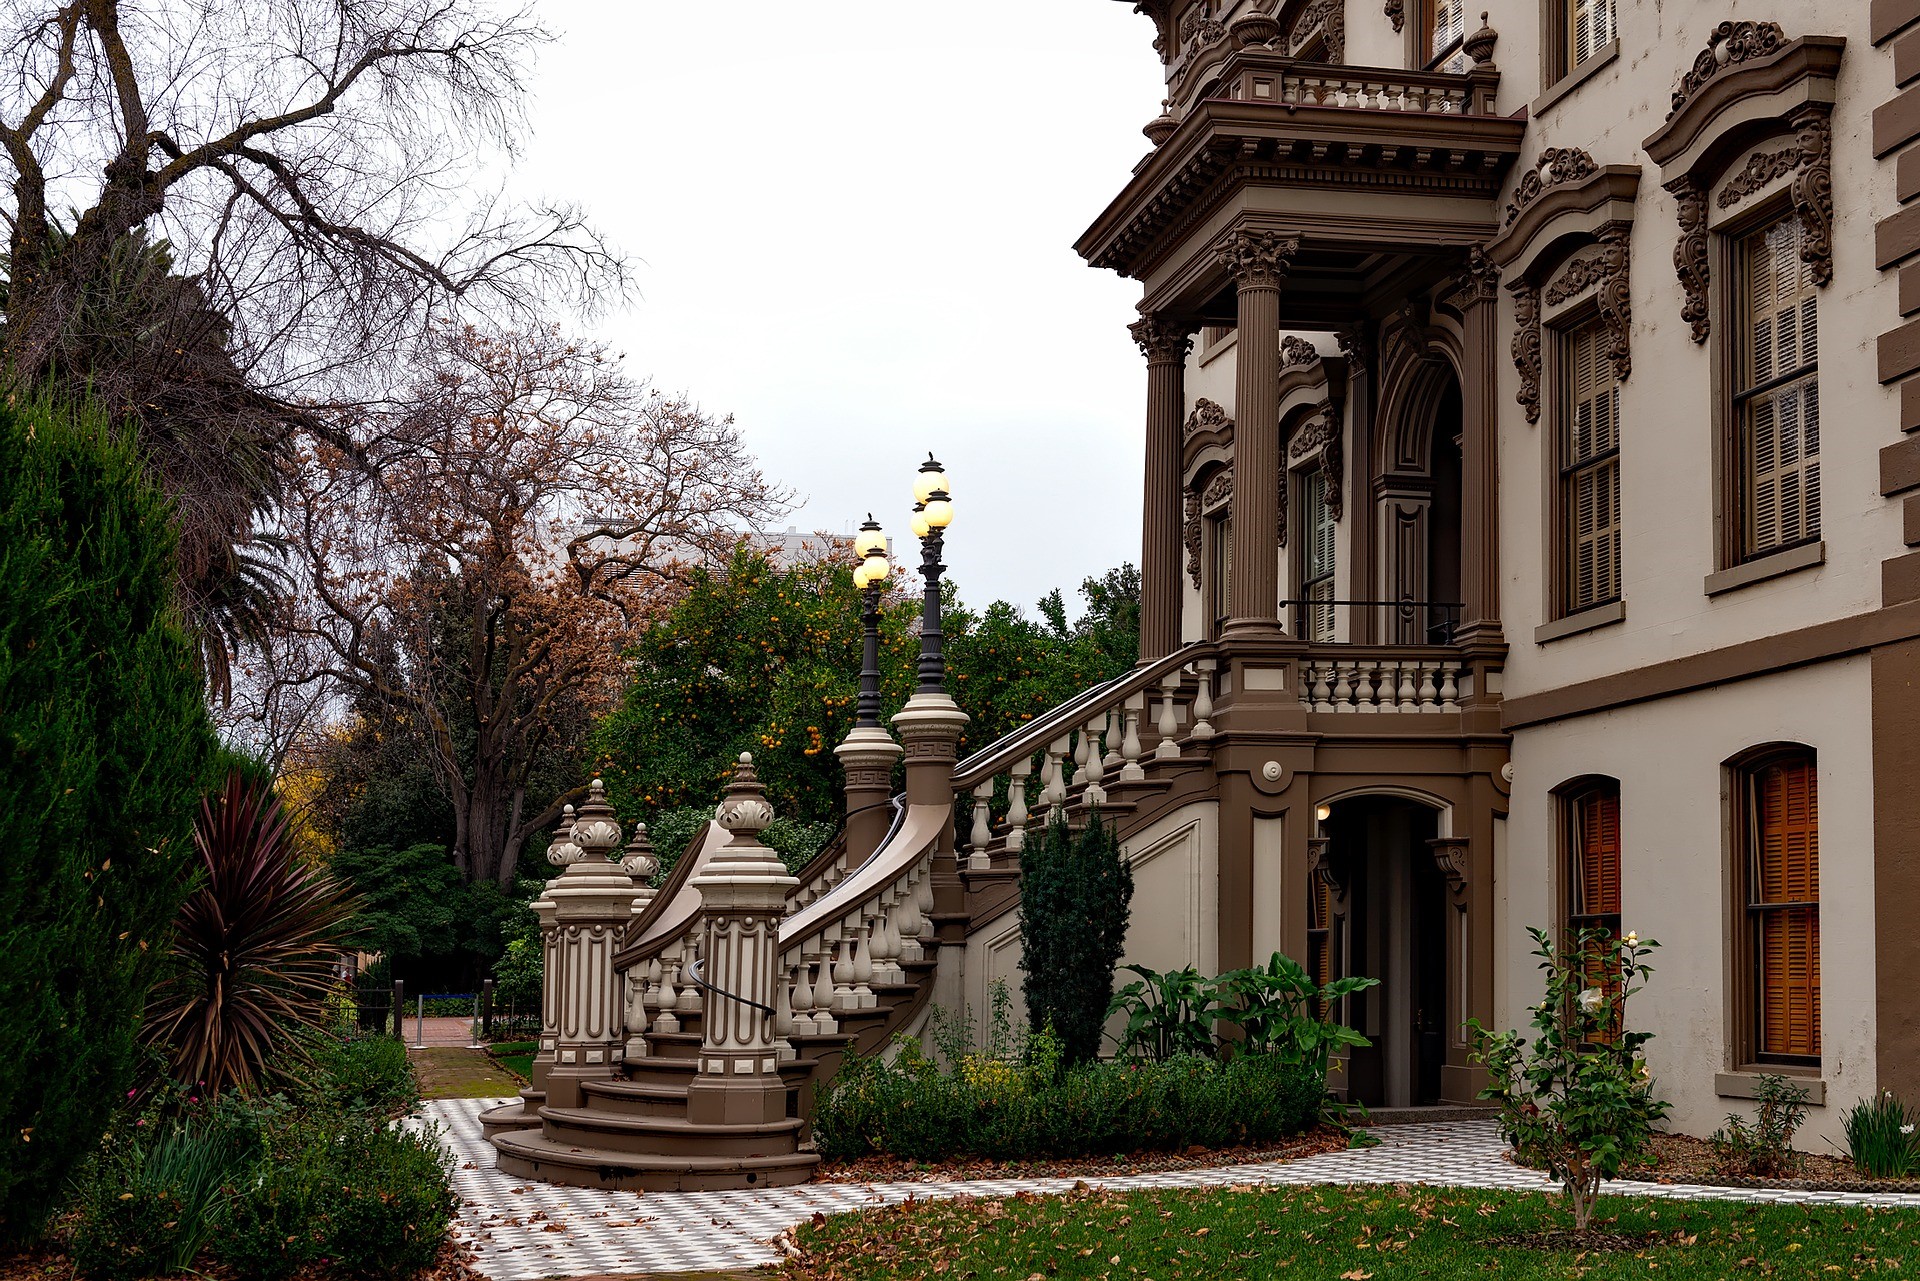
(995,1109)
(104,747)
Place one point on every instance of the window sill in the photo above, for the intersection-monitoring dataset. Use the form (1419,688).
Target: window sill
(1745,1084)
(1792,560)
(1573,79)
(1585,621)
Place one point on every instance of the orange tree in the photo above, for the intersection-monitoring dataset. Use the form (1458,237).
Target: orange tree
(766,658)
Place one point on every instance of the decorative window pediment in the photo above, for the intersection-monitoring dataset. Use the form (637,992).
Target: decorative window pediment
(1566,241)
(1749,87)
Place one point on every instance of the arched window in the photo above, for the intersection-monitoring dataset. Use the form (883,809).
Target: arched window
(1777,872)
(1593,857)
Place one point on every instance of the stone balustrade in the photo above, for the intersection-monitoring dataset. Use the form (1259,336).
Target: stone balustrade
(1361,679)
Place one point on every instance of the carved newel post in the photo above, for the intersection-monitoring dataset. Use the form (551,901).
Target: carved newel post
(561,851)
(592,903)
(743,892)
(639,863)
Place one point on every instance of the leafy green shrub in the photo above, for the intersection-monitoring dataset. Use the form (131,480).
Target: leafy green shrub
(1169,1014)
(1580,1103)
(1883,1137)
(1274,1007)
(151,1204)
(106,742)
(1076,894)
(360,1072)
(1763,1147)
(990,1108)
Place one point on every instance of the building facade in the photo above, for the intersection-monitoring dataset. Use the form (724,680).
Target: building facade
(1487,360)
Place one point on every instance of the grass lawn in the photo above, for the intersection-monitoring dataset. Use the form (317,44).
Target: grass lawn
(516,1056)
(1333,1233)
(449,1072)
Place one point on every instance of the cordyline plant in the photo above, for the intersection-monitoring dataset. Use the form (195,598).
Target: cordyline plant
(1579,1102)
(252,959)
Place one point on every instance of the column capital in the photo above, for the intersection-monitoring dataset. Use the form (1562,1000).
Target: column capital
(1162,337)
(1258,259)
(1478,280)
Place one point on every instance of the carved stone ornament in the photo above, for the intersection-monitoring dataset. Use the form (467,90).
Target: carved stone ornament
(1731,44)
(1450,856)
(1479,45)
(1206,416)
(561,851)
(1219,490)
(1556,166)
(1253,28)
(1161,11)
(1357,346)
(745,809)
(1607,270)
(1332,464)
(638,859)
(1526,349)
(1762,168)
(1258,259)
(1478,281)
(596,831)
(1690,255)
(1813,190)
(1280,530)
(1320,865)
(1396,11)
(1162,339)
(1332,14)
(1190,535)
(1297,351)
(1311,437)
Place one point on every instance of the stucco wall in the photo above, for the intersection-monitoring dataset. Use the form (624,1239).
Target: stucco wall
(1674,853)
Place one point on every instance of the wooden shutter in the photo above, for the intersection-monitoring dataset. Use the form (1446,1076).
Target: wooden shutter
(1320,555)
(1599,854)
(1591,467)
(1781,419)
(1591,28)
(1448,28)
(1786,873)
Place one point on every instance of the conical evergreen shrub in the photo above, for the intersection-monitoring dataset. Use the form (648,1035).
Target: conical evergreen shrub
(1076,894)
(104,744)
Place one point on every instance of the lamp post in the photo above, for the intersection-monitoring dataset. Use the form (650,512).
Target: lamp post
(868,754)
(932,513)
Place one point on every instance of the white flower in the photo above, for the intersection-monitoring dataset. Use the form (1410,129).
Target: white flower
(1590,1000)
(1907,1128)
(1633,938)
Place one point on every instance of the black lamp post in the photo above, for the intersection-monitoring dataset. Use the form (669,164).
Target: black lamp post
(932,513)
(870,577)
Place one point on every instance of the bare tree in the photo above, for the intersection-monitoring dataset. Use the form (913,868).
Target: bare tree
(527,506)
(267,199)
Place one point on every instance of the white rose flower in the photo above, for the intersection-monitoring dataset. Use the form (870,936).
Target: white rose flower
(1633,938)
(1590,1000)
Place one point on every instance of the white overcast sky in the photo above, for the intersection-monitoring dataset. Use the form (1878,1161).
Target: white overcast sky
(853,225)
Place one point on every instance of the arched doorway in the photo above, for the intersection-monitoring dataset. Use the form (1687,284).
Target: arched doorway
(1420,508)
(1388,909)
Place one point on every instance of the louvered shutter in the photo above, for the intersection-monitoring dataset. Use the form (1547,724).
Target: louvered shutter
(1320,530)
(1787,895)
(1448,30)
(1600,854)
(1780,419)
(1592,470)
(1591,28)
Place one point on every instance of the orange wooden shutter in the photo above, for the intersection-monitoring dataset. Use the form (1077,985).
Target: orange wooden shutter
(1600,854)
(1788,857)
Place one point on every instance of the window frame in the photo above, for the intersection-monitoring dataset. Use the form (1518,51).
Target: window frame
(1746,989)
(1741,397)
(1220,566)
(1574,797)
(1563,550)
(1308,478)
(1424,58)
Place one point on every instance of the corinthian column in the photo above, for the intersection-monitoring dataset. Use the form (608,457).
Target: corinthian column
(1476,294)
(1257,262)
(1165,343)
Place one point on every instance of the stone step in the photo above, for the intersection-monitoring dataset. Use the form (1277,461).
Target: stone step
(529,1154)
(667,1136)
(522,1114)
(636,1098)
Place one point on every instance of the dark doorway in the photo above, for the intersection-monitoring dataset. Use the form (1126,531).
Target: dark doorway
(1393,928)
(1443,538)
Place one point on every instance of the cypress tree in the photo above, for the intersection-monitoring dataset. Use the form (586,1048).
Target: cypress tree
(1076,892)
(104,745)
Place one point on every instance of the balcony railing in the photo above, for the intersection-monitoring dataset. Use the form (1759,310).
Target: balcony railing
(1258,74)
(1412,622)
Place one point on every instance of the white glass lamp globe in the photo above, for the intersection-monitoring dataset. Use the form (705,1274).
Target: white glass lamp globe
(939,510)
(870,540)
(861,579)
(920,526)
(876,568)
(930,478)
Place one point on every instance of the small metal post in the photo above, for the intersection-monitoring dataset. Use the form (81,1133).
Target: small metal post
(399,1009)
(420,1019)
(486,1009)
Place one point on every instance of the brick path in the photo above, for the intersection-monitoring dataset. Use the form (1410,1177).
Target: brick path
(522,1231)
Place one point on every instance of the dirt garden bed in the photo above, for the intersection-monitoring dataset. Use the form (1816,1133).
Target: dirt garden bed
(1680,1159)
(882,1169)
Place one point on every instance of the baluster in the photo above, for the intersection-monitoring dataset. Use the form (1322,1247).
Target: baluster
(665,999)
(1096,769)
(977,857)
(1342,690)
(1169,723)
(783,1019)
(636,1012)
(1363,695)
(1429,695)
(1081,749)
(1017,805)
(1057,787)
(821,956)
(1110,726)
(923,897)
(908,920)
(887,959)
(840,966)
(1203,705)
(1407,696)
(1449,689)
(800,1004)
(1130,771)
(690,995)
(863,970)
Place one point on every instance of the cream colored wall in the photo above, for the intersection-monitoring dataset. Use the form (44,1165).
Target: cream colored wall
(1175,918)
(1668,758)
(1667,487)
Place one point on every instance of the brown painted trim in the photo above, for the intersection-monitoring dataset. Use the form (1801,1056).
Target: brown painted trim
(1899,351)
(1838,638)
(1910,286)
(1890,17)
(1896,121)
(1896,238)
(1900,466)
(1906,58)
(1810,58)
(1896,865)
(1910,518)
(1906,175)
(1585,621)
(1900,579)
(1910,406)
(1746,1085)
(1609,193)
(1748,572)
(1567,82)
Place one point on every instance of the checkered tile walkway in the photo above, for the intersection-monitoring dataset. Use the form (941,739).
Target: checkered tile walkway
(523,1231)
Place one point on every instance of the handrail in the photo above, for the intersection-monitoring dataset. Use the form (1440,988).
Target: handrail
(921,828)
(693,975)
(813,868)
(676,904)
(1070,715)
